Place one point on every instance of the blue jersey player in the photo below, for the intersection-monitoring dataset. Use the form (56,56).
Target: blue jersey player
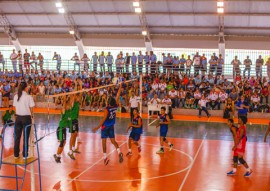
(136,131)
(164,122)
(107,126)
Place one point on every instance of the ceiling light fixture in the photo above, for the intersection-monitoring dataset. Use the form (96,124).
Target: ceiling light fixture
(138,10)
(220,4)
(61,10)
(136,4)
(144,33)
(220,10)
(72,32)
(58,4)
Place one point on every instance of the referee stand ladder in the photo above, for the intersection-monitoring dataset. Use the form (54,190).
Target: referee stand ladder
(20,162)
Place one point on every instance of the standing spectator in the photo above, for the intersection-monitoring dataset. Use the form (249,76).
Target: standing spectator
(118,64)
(109,59)
(20,59)
(6,93)
(140,62)
(76,60)
(242,106)
(58,59)
(23,104)
(169,64)
(127,62)
(153,62)
(133,62)
(85,60)
(175,65)
(33,57)
(259,64)
(164,59)
(2,60)
(197,63)
(146,61)
(133,103)
(182,64)
(122,62)
(204,65)
(13,57)
(236,66)
(197,97)
(26,57)
(268,67)
(101,60)
(220,63)
(41,61)
(94,61)
(189,63)
(255,101)
(247,63)
(202,106)
(213,63)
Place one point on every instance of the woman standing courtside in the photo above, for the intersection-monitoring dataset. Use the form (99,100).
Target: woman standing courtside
(23,104)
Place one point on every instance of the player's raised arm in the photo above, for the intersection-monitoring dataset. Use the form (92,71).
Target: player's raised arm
(118,94)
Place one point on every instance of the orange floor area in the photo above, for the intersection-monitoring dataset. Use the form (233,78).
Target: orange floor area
(145,116)
(191,165)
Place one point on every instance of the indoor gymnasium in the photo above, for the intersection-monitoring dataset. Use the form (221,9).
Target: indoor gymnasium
(134,95)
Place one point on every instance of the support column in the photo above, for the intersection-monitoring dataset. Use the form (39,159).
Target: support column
(17,45)
(80,47)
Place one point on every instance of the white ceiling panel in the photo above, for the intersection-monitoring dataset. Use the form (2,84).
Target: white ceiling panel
(206,20)
(242,21)
(258,7)
(123,6)
(108,20)
(18,20)
(259,21)
(10,7)
(129,20)
(155,6)
(33,7)
(157,20)
(82,6)
(39,20)
(102,6)
(57,19)
(85,20)
(183,20)
(237,6)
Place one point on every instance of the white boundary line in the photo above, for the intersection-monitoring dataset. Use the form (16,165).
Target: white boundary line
(150,178)
(152,122)
(183,182)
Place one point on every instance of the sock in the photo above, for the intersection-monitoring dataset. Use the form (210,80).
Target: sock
(129,150)
(57,155)
(104,155)
(73,148)
(234,169)
(248,169)
(118,150)
(161,148)
(70,152)
(169,143)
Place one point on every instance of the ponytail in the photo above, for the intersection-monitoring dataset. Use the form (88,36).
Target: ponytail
(22,87)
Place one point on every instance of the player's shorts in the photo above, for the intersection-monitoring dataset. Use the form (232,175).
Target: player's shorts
(163,132)
(240,149)
(61,134)
(107,132)
(75,126)
(135,136)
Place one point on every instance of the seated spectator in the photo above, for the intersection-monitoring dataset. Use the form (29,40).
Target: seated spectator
(213,99)
(154,101)
(202,106)
(233,95)
(228,109)
(255,102)
(197,97)
(243,106)
(222,97)
(189,99)
(265,95)
(173,95)
(167,101)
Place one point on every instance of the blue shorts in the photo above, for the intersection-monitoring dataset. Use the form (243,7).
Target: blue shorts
(135,136)
(107,132)
(163,132)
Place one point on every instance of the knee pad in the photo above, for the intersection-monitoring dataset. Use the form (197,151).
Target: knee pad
(235,159)
(62,143)
(164,139)
(242,161)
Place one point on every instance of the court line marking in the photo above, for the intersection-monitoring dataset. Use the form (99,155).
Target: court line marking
(196,155)
(152,122)
(131,180)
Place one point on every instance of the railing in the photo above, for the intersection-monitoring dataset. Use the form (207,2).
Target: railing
(69,65)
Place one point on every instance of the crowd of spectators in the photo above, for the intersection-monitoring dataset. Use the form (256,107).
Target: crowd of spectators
(206,89)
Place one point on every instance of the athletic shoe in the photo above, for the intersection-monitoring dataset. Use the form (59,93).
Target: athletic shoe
(25,158)
(71,156)
(139,149)
(57,159)
(161,151)
(248,173)
(208,115)
(231,173)
(171,147)
(121,157)
(129,154)
(106,161)
(16,158)
(77,151)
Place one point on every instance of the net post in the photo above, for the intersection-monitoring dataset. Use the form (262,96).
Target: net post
(32,154)
(141,109)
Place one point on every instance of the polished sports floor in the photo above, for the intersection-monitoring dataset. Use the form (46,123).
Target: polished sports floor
(199,161)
